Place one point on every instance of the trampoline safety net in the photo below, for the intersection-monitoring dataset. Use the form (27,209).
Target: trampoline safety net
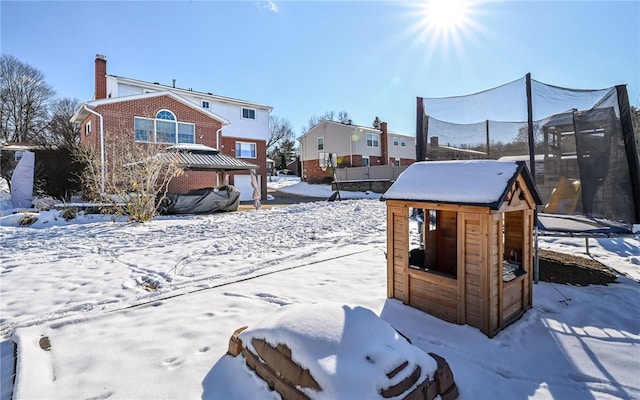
(578,144)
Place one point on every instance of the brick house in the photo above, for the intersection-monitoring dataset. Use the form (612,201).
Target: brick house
(150,112)
(354,146)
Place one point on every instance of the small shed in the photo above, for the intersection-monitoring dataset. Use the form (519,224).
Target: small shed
(471,259)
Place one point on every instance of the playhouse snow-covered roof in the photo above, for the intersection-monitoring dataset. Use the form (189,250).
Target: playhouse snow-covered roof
(473,182)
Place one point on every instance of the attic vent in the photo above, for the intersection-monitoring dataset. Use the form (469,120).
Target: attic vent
(156,83)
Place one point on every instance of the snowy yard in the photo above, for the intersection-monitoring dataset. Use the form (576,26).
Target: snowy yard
(136,311)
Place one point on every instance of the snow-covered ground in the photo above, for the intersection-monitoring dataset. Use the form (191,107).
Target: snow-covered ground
(136,311)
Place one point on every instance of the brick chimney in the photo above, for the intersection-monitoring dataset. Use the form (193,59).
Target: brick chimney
(385,143)
(101,77)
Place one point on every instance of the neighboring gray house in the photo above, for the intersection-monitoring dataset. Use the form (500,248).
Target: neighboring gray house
(354,146)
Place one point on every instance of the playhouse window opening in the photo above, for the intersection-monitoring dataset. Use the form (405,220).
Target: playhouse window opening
(512,243)
(436,239)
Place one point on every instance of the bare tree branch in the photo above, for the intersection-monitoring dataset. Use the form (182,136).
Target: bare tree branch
(279,131)
(137,178)
(24,96)
(314,120)
(61,132)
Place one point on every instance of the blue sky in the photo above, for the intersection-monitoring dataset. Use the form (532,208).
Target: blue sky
(369,58)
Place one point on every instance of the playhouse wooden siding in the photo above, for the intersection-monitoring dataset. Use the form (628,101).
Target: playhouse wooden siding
(478,296)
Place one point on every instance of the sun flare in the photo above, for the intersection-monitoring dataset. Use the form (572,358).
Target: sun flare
(446,24)
(446,15)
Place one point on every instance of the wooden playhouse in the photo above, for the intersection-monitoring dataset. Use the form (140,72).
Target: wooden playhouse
(470,261)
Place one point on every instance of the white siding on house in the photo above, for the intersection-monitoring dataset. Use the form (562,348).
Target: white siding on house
(409,151)
(112,87)
(339,138)
(241,128)
(127,90)
(257,129)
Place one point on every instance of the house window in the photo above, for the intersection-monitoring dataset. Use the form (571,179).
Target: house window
(372,140)
(320,143)
(144,129)
(248,113)
(166,114)
(87,128)
(165,128)
(165,131)
(403,142)
(245,150)
(205,104)
(365,161)
(186,133)
(395,141)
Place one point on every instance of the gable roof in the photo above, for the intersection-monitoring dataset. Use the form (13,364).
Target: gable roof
(340,124)
(475,182)
(368,129)
(83,113)
(211,96)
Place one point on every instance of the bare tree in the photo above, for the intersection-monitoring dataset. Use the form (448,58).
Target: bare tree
(61,132)
(136,176)
(314,120)
(24,96)
(279,131)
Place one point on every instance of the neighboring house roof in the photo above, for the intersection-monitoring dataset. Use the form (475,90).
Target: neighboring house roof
(363,128)
(340,124)
(461,150)
(476,182)
(401,134)
(200,157)
(158,86)
(82,112)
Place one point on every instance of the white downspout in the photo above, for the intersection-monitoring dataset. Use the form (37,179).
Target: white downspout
(218,132)
(351,148)
(301,160)
(102,171)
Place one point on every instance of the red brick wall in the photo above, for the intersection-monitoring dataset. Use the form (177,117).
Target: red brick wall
(118,119)
(100,78)
(228,147)
(190,180)
(406,161)
(357,160)
(313,173)
(92,139)
(375,160)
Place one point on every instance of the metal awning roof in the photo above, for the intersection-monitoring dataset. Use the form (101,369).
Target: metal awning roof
(198,157)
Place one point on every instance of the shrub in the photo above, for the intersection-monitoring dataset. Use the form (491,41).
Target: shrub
(27,220)
(69,213)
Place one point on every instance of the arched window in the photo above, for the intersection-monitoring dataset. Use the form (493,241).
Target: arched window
(165,114)
(164,128)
